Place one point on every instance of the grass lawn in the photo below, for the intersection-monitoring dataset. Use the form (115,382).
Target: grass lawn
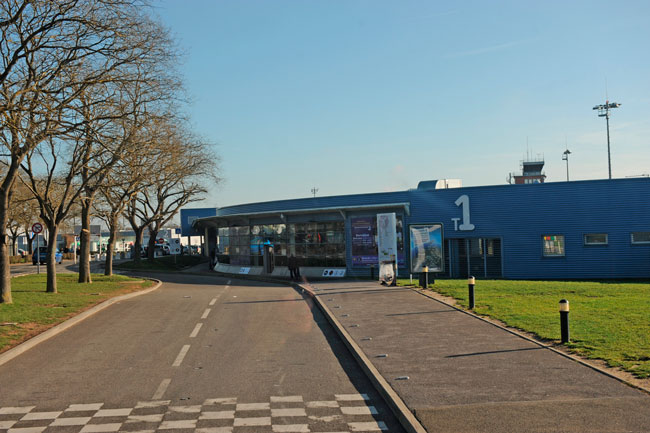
(165,263)
(33,310)
(607,320)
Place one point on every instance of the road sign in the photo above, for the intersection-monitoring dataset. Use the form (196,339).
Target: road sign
(175,246)
(37,228)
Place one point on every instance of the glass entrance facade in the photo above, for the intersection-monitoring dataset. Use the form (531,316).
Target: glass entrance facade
(313,243)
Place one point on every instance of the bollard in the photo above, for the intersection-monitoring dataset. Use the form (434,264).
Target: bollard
(470,284)
(372,272)
(426,277)
(564,320)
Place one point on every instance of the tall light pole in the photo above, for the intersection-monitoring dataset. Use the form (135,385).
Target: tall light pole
(565,157)
(603,111)
(314,190)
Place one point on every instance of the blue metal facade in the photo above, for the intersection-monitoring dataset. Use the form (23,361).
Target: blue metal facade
(518,215)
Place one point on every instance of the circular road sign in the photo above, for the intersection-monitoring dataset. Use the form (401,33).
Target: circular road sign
(37,228)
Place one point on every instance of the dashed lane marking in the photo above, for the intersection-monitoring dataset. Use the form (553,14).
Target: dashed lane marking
(196,330)
(159,392)
(181,356)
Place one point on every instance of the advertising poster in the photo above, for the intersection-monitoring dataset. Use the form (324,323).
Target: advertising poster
(386,237)
(364,249)
(426,247)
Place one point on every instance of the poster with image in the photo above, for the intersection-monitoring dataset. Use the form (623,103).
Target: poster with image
(426,247)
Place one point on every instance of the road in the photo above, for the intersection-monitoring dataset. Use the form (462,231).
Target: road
(202,353)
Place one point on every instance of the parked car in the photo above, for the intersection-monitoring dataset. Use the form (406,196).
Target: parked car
(22,253)
(42,251)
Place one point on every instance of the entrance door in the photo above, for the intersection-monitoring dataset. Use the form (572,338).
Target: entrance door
(479,257)
(269,259)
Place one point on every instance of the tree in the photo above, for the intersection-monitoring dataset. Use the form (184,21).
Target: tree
(184,167)
(22,213)
(52,52)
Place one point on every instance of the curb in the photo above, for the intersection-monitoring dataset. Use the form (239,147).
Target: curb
(532,340)
(406,418)
(25,346)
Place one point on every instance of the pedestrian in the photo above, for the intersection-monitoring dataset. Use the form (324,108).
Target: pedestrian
(293,267)
(213,258)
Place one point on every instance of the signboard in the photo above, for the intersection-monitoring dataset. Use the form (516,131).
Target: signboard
(37,228)
(188,216)
(386,237)
(364,249)
(334,273)
(175,246)
(426,247)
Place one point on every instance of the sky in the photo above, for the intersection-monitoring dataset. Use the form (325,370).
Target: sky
(371,96)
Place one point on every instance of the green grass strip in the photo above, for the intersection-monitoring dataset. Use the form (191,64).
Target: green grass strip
(34,310)
(608,320)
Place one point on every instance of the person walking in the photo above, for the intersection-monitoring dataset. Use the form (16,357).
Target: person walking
(294,271)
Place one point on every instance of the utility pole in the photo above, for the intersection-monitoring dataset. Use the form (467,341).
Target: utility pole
(314,190)
(603,111)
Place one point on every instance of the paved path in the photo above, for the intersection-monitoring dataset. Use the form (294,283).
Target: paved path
(201,353)
(466,375)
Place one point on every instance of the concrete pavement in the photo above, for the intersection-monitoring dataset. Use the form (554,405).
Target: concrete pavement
(461,374)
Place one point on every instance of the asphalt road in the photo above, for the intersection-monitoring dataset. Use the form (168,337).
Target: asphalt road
(202,353)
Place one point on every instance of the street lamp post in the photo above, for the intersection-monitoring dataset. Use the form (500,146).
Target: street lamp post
(603,111)
(565,157)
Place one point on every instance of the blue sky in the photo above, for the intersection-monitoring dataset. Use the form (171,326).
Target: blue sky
(370,96)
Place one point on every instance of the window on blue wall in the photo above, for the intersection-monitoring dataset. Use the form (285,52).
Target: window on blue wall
(641,237)
(596,239)
(553,245)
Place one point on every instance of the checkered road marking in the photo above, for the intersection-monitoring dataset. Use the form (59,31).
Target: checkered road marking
(343,413)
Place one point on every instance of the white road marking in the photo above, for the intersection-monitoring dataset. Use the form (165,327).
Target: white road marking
(84,407)
(197,328)
(253,406)
(287,399)
(28,429)
(40,416)
(70,421)
(181,356)
(213,301)
(157,396)
(359,410)
(322,404)
(214,430)
(183,424)
(117,412)
(245,422)
(205,313)
(367,426)
(101,428)
(228,400)
(145,418)
(299,411)
(143,404)
(185,409)
(222,414)
(351,397)
(300,428)
(16,410)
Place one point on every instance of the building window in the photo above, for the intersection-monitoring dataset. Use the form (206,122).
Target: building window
(596,239)
(553,245)
(640,237)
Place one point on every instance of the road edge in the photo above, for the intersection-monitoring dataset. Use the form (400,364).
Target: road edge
(57,329)
(405,417)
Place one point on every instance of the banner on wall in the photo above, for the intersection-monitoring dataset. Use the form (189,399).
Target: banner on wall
(426,247)
(386,237)
(364,249)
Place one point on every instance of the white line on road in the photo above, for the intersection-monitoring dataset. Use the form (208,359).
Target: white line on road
(161,389)
(197,328)
(181,355)
(213,301)
(205,313)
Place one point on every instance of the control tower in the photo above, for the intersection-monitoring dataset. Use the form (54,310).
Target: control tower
(531,171)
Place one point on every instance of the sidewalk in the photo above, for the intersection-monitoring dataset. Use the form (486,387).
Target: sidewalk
(466,375)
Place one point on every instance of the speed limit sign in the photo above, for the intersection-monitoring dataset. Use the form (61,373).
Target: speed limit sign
(37,228)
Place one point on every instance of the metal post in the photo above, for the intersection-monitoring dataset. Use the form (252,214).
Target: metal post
(426,277)
(609,157)
(564,320)
(470,284)
(38,255)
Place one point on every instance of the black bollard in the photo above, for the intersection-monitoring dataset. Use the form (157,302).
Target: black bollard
(470,284)
(564,320)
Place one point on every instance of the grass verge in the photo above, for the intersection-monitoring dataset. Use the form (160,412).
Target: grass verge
(608,320)
(34,311)
(165,263)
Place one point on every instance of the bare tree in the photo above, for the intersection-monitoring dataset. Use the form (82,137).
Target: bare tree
(51,53)
(182,175)
(22,213)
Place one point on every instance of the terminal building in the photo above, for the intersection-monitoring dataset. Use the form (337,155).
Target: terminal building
(596,229)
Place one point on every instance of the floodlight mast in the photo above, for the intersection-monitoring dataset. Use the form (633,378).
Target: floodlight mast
(565,157)
(603,111)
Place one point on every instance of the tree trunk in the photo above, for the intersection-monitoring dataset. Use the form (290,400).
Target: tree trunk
(5,269)
(52,231)
(152,243)
(110,248)
(137,246)
(84,246)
